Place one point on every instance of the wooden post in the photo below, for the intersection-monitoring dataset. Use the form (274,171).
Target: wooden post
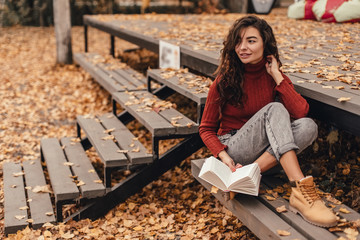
(62,23)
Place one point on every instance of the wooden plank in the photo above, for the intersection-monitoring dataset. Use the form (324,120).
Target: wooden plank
(330,96)
(63,186)
(251,212)
(137,153)
(83,169)
(157,125)
(134,77)
(110,84)
(125,83)
(185,125)
(106,149)
(173,83)
(41,209)
(14,198)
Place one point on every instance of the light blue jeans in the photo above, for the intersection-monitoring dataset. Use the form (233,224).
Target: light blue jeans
(271,130)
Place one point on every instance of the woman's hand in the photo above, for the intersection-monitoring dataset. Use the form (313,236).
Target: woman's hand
(225,158)
(272,67)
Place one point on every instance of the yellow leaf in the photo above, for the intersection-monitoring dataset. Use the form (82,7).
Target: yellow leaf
(30,220)
(214,230)
(47,233)
(18,174)
(127,223)
(138,228)
(189,125)
(24,208)
(98,181)
(41,189)
(281,209)
(68,164)
(91,171)
(214,189)
(132,206)
(343,99)
(339,87)
(47,225)
(283,233)
(344,210)
(49,213)
(68,235)
(136,149)
(19,217)
(80,183)
(122,151)
(269,198)
(109,130)
(13,186)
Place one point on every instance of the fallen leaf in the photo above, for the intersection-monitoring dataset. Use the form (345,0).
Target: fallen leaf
(109,130)
(122,151)
(18,174)
(30,220)
(281,209)
(283,233)
(28,188)
(68,164)
(47,225)
(136,149)
(41,189)
(109,137)
(269,198)
(49,213)
(19,217)
(91,171)
(138,228)
(24,208)
(13,186)
(344,210)
(351,233)
(80,183)
(68,235)
(189,125)
(343,99)
(214,189)
(339,87)
(98,181)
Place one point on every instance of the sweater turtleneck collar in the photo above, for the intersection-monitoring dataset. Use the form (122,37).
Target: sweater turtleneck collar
(257,67)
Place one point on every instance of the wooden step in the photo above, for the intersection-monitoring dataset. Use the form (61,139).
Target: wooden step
(114,143)
(261,220)
(90,184)
(156,115)
(184,82)
(190,85)
(59,172)
(19,182)
(110,73)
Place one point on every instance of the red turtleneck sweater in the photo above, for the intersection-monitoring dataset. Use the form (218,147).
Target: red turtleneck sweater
(260,89)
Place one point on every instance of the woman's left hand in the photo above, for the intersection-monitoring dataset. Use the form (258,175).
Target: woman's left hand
(272,67)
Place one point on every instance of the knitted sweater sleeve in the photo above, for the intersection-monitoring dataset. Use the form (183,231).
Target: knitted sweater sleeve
(209,122)
(296,105)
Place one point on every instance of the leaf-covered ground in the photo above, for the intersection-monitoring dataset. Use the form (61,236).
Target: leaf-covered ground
(41,99)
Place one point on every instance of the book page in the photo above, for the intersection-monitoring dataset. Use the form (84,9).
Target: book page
(215,172)
(239,175)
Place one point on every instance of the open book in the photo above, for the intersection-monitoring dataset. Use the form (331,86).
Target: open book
(244,180)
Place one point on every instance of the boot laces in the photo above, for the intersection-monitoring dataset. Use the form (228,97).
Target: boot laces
(309,192)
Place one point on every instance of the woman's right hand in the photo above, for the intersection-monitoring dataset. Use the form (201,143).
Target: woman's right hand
(225,158)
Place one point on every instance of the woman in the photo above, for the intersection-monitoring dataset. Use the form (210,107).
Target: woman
(243,123)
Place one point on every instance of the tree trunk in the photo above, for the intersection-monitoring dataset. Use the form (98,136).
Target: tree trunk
(62,23)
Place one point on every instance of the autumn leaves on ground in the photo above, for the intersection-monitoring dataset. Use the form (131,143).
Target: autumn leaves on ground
(40,99)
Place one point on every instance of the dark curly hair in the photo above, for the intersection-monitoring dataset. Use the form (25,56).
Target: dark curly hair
(231,69)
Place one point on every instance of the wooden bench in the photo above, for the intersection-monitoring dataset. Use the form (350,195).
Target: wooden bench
(23,204)
(71,173)
(110,73)
(260,213)
(114,143)
(188,84)
(156,115)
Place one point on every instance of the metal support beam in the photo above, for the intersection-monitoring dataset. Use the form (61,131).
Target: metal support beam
(86,37)
(112,45)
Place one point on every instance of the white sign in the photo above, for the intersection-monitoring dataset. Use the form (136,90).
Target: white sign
(169,55)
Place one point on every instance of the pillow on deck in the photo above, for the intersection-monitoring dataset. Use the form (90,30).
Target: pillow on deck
(302,10)
(337,10)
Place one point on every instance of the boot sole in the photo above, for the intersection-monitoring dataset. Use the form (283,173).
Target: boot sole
(294,210)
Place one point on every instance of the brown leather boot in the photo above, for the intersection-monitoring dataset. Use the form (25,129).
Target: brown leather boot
(306,201)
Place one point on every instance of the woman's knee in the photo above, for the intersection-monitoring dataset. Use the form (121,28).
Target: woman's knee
(307,129)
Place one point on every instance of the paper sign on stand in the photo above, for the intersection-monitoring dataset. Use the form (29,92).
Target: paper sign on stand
(169,55)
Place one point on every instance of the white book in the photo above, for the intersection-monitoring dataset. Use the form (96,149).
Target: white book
(244,180)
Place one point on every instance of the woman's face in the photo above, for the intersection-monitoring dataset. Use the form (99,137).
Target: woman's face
(251,48)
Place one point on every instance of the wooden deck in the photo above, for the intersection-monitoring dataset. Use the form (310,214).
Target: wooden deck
(323,68)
